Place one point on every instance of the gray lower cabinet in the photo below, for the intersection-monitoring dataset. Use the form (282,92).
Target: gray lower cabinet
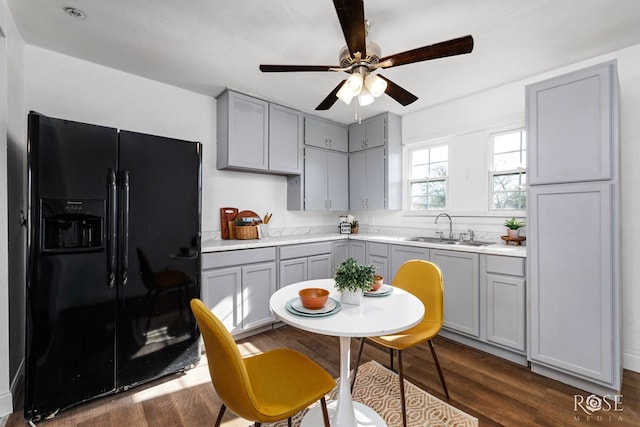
(502,289)
(340,252)
(237,285)
(461,277)
(305,262)
(378,256)
(358,251)
(401,254)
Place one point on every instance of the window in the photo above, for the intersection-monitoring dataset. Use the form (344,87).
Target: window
(508,173)
(428,172)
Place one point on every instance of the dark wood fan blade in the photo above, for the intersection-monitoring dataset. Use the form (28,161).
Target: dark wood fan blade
(453,47)
(288,68)
(401,95)
(351,17)
(331,98)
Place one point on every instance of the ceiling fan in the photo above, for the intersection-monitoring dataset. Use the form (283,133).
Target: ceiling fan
(361,58)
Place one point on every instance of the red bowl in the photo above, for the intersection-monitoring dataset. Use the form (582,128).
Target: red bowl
(377,282)
(313,298)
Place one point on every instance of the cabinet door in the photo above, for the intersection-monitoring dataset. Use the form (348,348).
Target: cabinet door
(337,181)
(221,289)
(285,136)
(357,136)
(258,284)
(375,129)
(569,126)
(460,272)
(248,132)
(315,179)
(506,311)
(319,267)
(402,254)
(292,271)
(375,181)
(358,252)
(320,133)
(573,291)
(340,253)
(357,180)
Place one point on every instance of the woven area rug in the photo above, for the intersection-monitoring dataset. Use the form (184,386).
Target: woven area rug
(378,388)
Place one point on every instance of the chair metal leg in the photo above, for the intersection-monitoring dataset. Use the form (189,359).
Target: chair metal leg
(257,424)
(220,415)
(435,360)
(289,422)
(401,378)
(325,412)
(355,367)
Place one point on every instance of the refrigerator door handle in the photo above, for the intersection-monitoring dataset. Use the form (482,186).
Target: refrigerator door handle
(125,227)
(113,231)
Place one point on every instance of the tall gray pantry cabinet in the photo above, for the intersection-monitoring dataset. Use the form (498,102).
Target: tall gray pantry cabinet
(573,237)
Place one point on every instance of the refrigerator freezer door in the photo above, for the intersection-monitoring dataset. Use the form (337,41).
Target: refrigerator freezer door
(160,193)
(70,313)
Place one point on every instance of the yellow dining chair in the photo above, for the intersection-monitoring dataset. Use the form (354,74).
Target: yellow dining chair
(424,280)
(264,388)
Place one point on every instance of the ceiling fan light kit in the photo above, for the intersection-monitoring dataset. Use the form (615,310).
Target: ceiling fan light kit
(360,57)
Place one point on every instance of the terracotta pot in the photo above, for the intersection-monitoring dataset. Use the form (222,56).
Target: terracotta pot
(512,234)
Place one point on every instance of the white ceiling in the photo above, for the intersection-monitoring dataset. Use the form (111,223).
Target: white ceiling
(216,44)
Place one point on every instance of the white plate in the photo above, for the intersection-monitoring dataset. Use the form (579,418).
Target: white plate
(330,305)
(382,291)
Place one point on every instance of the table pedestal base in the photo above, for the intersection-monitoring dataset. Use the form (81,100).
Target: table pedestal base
(365,416)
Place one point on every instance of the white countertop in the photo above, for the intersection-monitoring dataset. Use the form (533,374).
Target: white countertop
(230,245)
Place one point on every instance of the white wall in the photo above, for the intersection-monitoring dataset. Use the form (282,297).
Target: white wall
(466,121)
(12,167)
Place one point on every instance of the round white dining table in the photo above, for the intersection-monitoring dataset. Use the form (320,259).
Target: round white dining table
(375,316)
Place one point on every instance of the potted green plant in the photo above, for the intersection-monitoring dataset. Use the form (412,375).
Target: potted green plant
(513,225)
(353,279)
(355,227)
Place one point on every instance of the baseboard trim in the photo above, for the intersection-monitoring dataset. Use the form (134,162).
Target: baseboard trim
(631,362)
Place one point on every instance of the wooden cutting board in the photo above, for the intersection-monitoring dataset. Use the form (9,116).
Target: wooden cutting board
(226,215)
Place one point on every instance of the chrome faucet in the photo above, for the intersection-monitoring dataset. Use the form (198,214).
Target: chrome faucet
(472,234)
(450,223)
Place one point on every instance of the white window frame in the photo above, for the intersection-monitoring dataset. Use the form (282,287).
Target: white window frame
(492,173)
(407,181)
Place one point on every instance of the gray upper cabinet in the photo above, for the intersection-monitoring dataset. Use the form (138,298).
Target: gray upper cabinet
(324,184)
(375,171)
(570,119)
(254,135)
(285,135)
(368,134)
(324,134)
(242,132)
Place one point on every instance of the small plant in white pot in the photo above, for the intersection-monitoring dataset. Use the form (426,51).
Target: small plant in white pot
(513,225)
(353,279)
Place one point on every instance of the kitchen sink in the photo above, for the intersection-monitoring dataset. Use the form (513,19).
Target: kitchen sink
(444,241)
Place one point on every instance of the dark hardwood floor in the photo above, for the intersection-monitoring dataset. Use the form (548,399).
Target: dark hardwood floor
(495,391)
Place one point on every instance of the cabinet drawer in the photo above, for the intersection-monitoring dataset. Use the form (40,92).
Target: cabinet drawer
(505,265)
(240,257)
(310,249)
(379,249)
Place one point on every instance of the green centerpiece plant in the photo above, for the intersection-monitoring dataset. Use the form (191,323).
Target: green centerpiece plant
(353,279)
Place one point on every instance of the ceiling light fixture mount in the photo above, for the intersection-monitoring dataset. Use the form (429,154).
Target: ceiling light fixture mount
(75,13)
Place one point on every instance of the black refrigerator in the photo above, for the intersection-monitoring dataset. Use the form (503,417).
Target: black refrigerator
(113,261)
